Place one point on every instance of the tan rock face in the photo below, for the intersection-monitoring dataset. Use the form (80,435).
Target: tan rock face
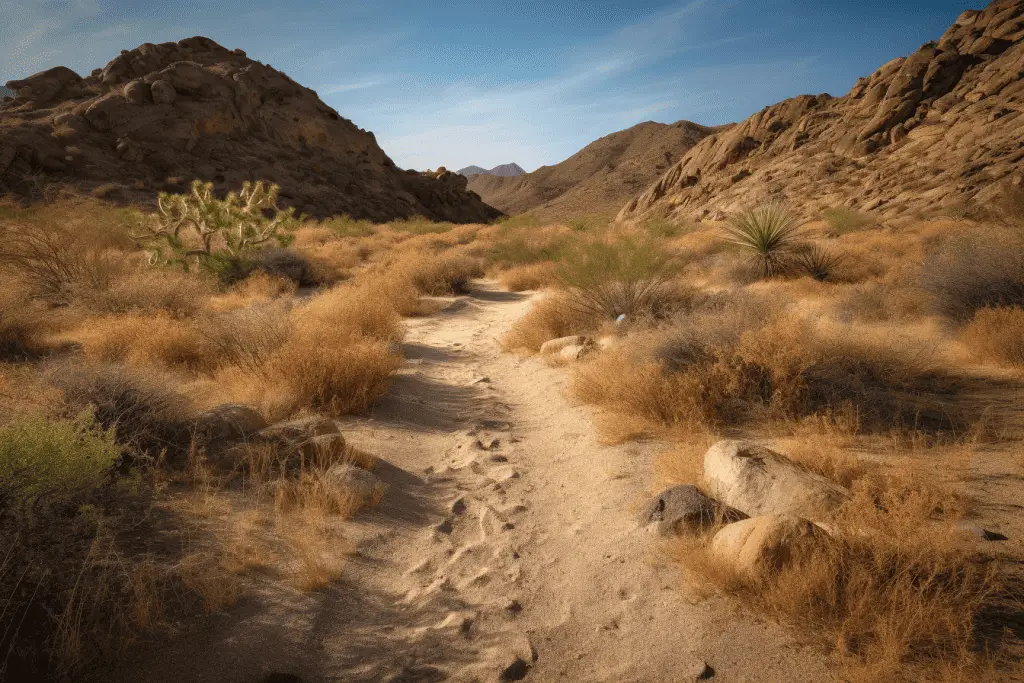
(194,109)
(945,122)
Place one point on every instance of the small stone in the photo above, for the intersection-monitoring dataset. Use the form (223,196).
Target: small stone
(459,506)
(445,527)
(983,534)
(513,606)
(516,671)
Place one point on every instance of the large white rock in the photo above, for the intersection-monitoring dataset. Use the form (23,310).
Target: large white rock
(765,543)
(556,346)
(758,481)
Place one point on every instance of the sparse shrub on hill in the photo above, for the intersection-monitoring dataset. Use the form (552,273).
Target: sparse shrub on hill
(997,334)
(971,272)
(217,235)
(769,233)
(842,220)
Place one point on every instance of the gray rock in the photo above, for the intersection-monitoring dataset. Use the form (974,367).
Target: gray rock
(758,481)
(229,422)
(683,509)
(354,481)
(303,441)
(163,92)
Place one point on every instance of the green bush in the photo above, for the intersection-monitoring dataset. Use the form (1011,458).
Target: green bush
(218,235)
(54,461)
(421,226)
(627,276)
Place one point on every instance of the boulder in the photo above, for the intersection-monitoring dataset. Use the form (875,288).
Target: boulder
(348,480)
(764,543)
(44,87)
(304,440)
(229,422)
(163,92)
(683,509)
(574,352)
(556,346)
(136,92)
(758,481)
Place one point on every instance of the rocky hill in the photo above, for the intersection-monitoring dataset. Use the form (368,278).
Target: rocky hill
(922,135)
(600,177)
(512,169)
(160,115)
(6,92)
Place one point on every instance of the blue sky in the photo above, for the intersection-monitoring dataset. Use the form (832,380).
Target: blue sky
(453,82)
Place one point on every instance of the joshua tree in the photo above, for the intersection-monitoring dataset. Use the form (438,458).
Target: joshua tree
(196,227)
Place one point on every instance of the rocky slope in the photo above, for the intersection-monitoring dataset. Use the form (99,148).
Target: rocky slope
(600,177)
(512,169)
(160,115)
(924,134)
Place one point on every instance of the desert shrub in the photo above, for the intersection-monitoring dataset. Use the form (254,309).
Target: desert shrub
(589,222)
(626,276)
(353,312)
(973,272)
(533,276)
(148,416)
(421,226)
(443,274)
(246,338)
(148,339)
(345,226)
(23,327)
(664,228)
(552,317)
(283,263)
(842,220)
(219,236)
(57,264)
(319,370)
(150,291)
(724,368)
(53,462)
(769,233)
(817,261)
(997,334)
(52,473)
(517,250)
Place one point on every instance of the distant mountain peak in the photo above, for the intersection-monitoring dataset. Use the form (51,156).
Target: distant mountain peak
(504,170)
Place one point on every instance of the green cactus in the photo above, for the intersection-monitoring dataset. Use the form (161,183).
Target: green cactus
(197,229)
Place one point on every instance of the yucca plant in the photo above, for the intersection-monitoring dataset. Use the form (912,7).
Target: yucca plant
(817,261)
(769,232)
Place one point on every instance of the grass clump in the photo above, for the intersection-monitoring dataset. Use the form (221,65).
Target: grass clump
(817,261)
(842,220)
(997,334)
(769,233)
(626,276)
(971,272)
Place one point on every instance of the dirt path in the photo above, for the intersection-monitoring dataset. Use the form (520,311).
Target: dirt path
(506,545)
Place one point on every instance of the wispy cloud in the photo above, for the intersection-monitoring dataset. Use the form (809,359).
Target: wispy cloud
(344,87)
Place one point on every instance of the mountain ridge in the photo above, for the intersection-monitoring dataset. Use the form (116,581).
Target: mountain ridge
(923,134)
(597,178)
(502,170)
(160,115)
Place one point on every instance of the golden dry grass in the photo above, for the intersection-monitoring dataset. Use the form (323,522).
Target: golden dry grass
(996,334)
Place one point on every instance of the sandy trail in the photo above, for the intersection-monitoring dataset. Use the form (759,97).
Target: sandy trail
(505,548)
